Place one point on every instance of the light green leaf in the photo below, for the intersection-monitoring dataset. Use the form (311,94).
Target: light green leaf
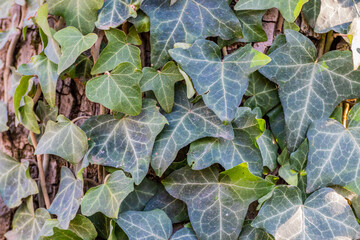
(27,223)
(186,233)
(41,66)
(118,90)
(268,149)
(162,83)
(126,143)
(324,215)
(175,209)
(190,91)
(63,139)
(311,11)
(21,90)
(141,22)
(81,14)
(115,12)
(250,233)
(222,199)
(309,89)
(187,122)
(116,232)
(151,225)
(68,198)
(221,82)
(3,117)
(262,93)
(173,24)
(107,197)
(15,181)
(27,115)
(230,153)
(73,43)
(117,51)
(289,9)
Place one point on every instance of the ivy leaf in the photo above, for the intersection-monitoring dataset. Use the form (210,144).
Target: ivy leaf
(336,15)
(15,181)
(186,233)
(289,9)
(175,209)
(251,25)
(78,13)
(141,195)
(141,22)
(115,12)
(118,90)
(262,93)
(223,198)
(212,17)
(187,123)
(21,90)
(27,222)
(230,153)
(107,197)
(222,83)
(125,143)
(63,139)
(162,83)
(73,43)
(68,198)
(308,88)
(324,215)
(118,50)
(41,66)
(3,117)
(250,233)
(277,125)
(268,149)
(311,11)
(80,225)
(27,115)
(151,225)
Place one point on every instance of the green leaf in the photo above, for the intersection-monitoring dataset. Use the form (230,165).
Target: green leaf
(81,68)
(336,15)
(81,14)
(21,90)
(41,66)
(173,24)
(221,82)
(60,234)
(141,195)
(251,25)
(3,117)
(311,11)
(187,123)
(15,181)
(229,153)
(125,143)
(118,90)
(299,157)
(68,198)
(107,197)
(118,50)
(186,233)
(115,12)
(324,215)
(73,43)
(250,233)
(80,226)
(268,149)
(175,209)
(27,223)
(262,93)
(63,139)
(289,9)
(151,225)
(141,22)
(162,84)
(223,198)
(27,115)
(309,89)
(277,125)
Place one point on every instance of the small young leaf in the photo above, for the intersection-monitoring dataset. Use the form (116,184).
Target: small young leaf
(107,197)
(73,43)
(68,198)
(117,51)
(162,84)
(27,115)
(151,225)
(63,139)
(118,90)
(222,83)
(15,181)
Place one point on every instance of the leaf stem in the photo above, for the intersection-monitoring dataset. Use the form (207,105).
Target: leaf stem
(41,172)
(79,118)
(345,114)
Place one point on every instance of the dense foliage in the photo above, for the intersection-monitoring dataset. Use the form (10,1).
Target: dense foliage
(192,140)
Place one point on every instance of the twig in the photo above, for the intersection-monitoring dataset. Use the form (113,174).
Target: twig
(224,51)
(329,41)
(79,118)
(279,24)
(95,49)
(321,47)
(345,114)
(93,182)
(41,172)
(37,94)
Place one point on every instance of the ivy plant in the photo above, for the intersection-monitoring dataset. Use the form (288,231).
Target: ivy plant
(199,135)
